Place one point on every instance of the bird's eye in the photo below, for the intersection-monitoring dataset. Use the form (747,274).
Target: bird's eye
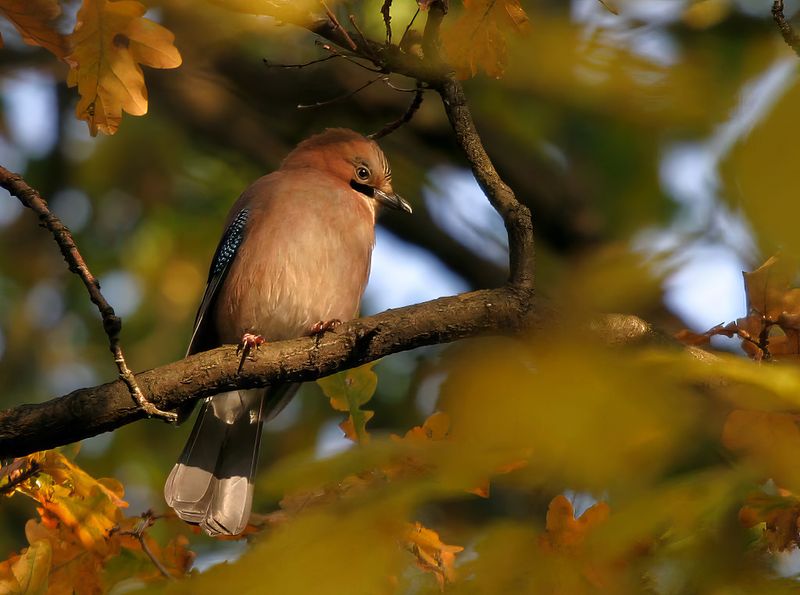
(362,173)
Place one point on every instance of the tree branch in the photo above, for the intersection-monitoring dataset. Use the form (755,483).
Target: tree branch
(516,216)
(790,36)
(416,102)
(90,411)
(111,322)
(437,75)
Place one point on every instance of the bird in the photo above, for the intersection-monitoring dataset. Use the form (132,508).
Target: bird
(294,260)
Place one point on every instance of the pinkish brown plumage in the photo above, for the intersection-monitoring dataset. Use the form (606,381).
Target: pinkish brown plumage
(296,252)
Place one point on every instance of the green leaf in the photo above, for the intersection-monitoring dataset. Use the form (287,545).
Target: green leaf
(349,390)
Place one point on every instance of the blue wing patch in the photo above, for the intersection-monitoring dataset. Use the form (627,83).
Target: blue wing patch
(229,244)
(203,336)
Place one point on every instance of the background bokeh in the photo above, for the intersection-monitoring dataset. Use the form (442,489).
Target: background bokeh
(656,132)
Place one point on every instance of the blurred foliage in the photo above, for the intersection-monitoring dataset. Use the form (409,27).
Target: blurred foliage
(548,464)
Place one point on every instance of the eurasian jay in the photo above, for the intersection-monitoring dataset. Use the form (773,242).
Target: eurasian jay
(293,261)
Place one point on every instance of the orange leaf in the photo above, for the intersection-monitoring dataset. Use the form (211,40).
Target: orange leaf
(436,427)
(768,439)
(34,19)
(780,514)
(432,555)
(110,40)
(767,288)
(476,41)
(563,530)
(348,426)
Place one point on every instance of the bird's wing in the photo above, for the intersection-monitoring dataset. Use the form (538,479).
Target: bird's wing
(223,257)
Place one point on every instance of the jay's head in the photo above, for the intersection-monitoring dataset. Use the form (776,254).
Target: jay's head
(353,158)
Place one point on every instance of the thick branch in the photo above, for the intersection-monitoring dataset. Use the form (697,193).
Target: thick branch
(111,322)
(90,411)
(87,412)
(516,216)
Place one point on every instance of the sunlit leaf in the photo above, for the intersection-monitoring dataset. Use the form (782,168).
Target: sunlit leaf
(28,572)
(89,542)
(109,43)
(432,555)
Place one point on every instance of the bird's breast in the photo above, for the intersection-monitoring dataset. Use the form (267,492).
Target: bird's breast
(305,259)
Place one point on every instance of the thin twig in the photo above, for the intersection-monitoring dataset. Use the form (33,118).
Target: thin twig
(364,40)
(411,22)
(387,19)
(406,117)
(350,58)
(507,309)
(148,518)
(790,36)
(394,87)
(340,97)
(339,27)
(63,237)
(269,64)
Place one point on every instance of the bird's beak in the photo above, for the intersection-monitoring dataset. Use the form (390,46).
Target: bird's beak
(393,201)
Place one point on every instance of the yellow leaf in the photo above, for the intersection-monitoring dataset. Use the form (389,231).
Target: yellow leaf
(34,19)
(66,494)
(28,572)
(436,427)
(707,13)
(110,41)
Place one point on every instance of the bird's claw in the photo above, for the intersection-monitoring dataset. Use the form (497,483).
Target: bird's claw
(249,341)
(323,326)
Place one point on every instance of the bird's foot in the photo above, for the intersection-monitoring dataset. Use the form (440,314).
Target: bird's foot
(323,326)
(249,341)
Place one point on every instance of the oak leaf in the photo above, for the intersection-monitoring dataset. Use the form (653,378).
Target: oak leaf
(35,21)
(771,328)
(563,532)
(348,391)
(110,41)
(476,40)
(83,527)
(780,514)
(431,553)
(27,572)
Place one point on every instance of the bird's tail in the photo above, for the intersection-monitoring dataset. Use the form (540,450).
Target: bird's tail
(212,483)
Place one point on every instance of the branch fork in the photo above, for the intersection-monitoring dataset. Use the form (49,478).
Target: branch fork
(90,411)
